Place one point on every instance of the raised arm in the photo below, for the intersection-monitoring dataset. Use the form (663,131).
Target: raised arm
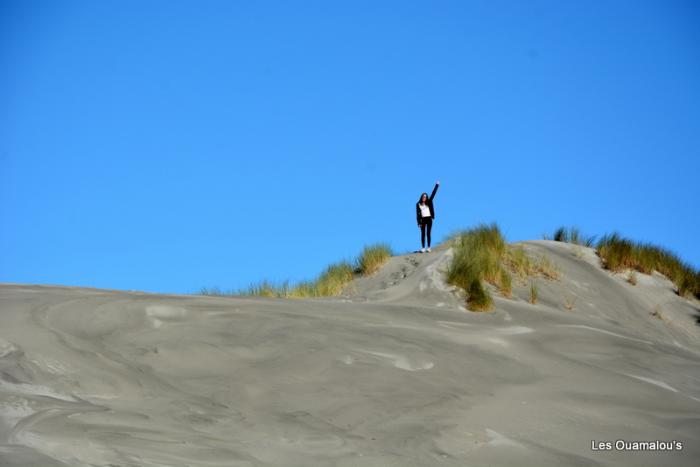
(432,195)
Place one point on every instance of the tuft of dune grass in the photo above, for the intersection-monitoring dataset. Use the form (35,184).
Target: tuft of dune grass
(569,302)
(264,288)
(214,291)
(572,235)
(546,268)
(505,283)
(523,265)
(479,298)
(481,255)
(330,282)
(533,293)
(477,255)
(372,258)
(518,262)
(619,253)
(302,289)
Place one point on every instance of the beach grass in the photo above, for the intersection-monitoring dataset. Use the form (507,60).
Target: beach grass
(477,254)
(481,255)
(265,288)
(479,298)
(330,282)
(619,254)
(523,265)
(533,293)
(572,235)
(372,258)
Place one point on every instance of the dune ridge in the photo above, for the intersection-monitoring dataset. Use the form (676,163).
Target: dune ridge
(394,372)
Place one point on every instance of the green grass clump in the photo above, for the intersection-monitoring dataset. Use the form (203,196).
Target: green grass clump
(373,258)
(477,258)
(572,235)
(482,255)
(479,298)
(619,253)
(334,279)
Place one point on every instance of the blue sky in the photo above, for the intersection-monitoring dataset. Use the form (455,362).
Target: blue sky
(165,146)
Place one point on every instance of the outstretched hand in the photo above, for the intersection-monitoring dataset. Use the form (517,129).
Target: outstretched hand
(438,182)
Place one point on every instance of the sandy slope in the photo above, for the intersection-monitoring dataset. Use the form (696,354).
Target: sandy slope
(394,373)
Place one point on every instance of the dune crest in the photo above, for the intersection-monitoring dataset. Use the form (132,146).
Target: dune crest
(392,372)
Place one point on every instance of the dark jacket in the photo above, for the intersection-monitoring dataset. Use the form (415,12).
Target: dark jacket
(429,203)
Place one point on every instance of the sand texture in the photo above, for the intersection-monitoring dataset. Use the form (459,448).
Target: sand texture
(393,373)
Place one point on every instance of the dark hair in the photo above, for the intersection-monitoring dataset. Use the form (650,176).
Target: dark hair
(421,197)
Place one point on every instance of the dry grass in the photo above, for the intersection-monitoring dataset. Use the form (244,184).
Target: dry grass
(533,293)
(505,283)
(372,258)
(569,303)
(518,263)
(265,288)
(522,265)
(545,268)
(330,283)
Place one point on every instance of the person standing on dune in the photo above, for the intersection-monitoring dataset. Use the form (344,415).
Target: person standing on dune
(425,213)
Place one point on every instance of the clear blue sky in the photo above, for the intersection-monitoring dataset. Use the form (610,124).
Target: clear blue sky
(169,145)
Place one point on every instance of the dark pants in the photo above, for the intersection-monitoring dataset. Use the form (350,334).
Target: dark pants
(425,224)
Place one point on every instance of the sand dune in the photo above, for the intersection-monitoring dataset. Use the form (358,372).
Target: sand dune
(393,373)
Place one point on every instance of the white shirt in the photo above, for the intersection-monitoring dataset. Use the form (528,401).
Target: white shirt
(424,210)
